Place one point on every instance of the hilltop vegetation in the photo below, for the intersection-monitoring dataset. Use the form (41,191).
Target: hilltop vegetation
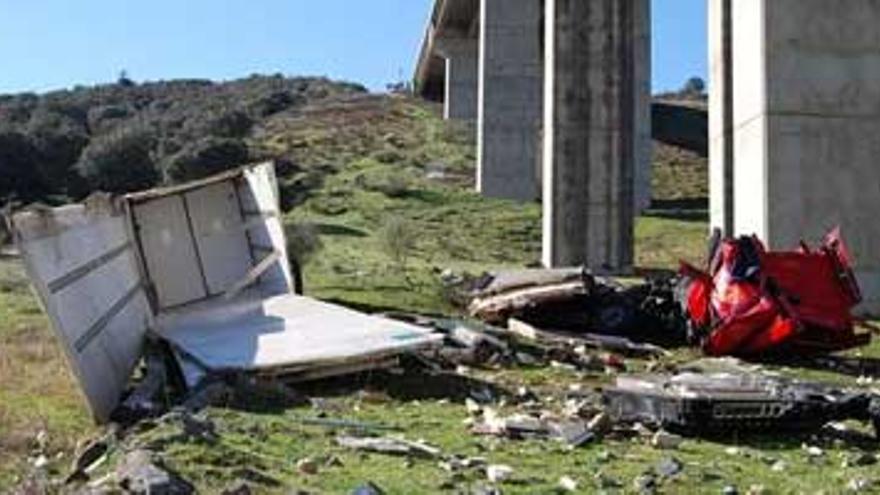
(126,136)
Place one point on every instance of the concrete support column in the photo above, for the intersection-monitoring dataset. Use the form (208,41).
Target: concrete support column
(593,90)
(462,77)
(721,116)
(805,125)
(510,99)
(644,152)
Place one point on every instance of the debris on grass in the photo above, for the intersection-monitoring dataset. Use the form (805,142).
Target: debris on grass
(346,424)
(669,467)
(368,488)
(554,305)
(307,466)
(499,473)
(220,304)
(666,441)
(138,473)
(568,484)
(735,400)
(751,301)
(389,446)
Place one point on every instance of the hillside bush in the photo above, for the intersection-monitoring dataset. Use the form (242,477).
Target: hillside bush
(121,161)
(123,136)
(205,157)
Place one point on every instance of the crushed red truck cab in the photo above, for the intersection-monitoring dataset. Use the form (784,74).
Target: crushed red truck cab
(752,301)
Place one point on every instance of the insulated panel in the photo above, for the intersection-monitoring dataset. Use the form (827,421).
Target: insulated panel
(220,235)
(81,262)
(259,198)
(286,332)
(169,251)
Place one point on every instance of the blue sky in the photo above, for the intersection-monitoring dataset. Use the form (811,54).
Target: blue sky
(51,44)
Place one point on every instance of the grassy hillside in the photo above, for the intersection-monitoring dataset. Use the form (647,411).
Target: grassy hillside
(379,189)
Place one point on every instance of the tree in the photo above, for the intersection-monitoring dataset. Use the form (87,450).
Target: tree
(694,86)
(124,80)
(121,161)
(207,156)
(60,140)
(18,168)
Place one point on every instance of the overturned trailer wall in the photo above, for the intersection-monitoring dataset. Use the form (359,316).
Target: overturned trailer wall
(104,279)
(199,240)
(82,262)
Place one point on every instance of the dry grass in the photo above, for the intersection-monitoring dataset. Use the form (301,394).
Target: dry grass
(37,392)
(679,175)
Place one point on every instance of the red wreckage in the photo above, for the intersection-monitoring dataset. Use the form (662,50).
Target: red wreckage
(756,302)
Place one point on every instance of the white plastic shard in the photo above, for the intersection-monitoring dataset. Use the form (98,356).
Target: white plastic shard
(203,265)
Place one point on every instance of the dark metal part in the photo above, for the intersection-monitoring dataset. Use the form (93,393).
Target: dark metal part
(721,402)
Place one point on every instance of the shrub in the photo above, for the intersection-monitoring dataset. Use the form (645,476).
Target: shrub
(390,182)
(60,140)
(121,161)
(231,124)
(389,156)
(18,168)
(123,136)
(303,241)
(398,237)
(205,157)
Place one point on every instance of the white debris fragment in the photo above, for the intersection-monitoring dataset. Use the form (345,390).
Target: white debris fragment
(666,441)
(568,484)
(498,473)
(814,451)
(858,485)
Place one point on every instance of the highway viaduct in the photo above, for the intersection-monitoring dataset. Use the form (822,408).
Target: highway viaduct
(560,92)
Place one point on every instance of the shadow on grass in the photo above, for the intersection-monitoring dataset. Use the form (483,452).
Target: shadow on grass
(844,365)
(687,209)
(785,440)
(415,383)
(654,273)
(428,196)
(339,230)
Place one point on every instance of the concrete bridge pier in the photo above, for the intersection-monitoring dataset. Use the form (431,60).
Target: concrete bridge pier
(597,102)
(462,57)
(796,124)
(510,99)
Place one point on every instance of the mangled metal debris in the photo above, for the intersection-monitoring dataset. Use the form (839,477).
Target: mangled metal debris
(138,473)
(749,302)
(202,267)
(752,301)
(573,304)
(735,399)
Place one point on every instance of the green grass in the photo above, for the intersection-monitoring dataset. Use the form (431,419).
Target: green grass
(37,392)
(360,166)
